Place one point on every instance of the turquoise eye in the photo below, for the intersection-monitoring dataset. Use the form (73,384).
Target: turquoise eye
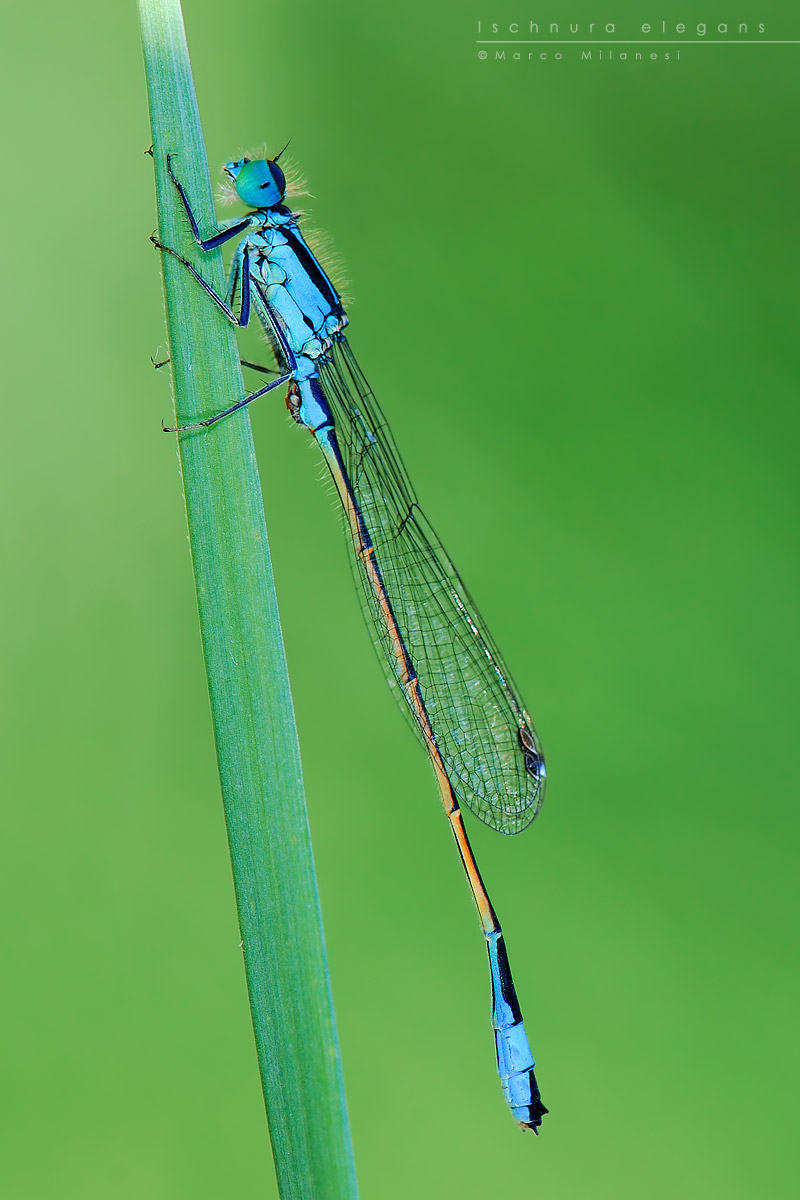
(260,183)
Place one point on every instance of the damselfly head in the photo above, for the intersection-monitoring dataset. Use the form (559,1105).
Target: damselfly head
(259,182)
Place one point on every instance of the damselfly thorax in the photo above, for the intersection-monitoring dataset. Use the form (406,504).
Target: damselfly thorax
(289,283)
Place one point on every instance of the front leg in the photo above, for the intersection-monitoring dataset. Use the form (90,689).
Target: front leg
(216,239)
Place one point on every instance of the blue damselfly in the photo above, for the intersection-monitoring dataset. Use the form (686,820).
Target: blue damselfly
(437,653)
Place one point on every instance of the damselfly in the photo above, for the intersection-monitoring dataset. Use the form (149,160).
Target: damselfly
(438,655)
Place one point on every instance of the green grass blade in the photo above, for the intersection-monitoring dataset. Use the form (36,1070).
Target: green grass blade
(257,749)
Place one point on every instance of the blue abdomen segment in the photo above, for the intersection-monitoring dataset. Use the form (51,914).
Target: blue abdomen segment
(514,1059)
(309,407)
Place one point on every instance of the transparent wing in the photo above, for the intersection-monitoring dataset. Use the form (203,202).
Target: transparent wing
(487,742)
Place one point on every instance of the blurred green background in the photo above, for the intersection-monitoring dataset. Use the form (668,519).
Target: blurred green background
(575,294)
